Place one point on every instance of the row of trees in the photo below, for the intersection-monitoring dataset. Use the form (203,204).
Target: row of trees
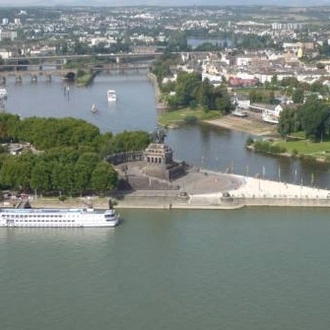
(69,159)
(68,171)
(313,117)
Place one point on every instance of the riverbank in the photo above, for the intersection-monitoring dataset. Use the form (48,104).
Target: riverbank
(244,124)
(252,124)
(160,106)
(205,190)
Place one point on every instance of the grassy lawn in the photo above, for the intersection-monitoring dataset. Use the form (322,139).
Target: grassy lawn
(185,115)
(306,147)
(300,135)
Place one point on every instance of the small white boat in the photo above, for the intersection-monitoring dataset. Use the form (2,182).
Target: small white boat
(111,95)
(94,108)
(3,93)
(238,113)
(271,119)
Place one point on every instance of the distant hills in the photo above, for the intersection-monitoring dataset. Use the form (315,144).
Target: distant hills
(118,3)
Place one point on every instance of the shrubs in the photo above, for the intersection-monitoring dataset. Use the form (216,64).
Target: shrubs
(63,198)
(276,149)
(249,141)
(294,152)
(190,120)
(268,147)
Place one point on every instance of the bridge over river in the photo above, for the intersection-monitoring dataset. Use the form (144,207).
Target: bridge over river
(47,66)
(34,73)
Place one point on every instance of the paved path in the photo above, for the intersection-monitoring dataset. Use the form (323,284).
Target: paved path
(207,182)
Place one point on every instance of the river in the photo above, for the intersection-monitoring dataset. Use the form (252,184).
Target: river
(258,268)
(203,146)
(246,269)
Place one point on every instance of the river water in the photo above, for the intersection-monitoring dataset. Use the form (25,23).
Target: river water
(248,269)
(258,268)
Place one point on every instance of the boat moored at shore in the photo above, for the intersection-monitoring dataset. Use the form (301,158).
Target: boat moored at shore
(271,119)
(68,218)
(239,113)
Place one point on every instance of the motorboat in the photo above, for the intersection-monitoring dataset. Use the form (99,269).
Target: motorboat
(94,108)
(111,95)
(3,93)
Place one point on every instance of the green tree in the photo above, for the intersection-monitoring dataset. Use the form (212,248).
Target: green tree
(129,141)
(9,127)
(222,100)
(177,42)
(41,177)
(274,80)
(187,87)
(16,171)
(298,95)
(104,178)
(205,94)
(62,178)
(288,122)
(315,118)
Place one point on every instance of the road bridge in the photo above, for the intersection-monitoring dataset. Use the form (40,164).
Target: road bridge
(34,75)
(35,72)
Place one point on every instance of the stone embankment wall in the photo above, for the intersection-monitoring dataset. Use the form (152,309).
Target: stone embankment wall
(236,202)
(295,202)
(173,200)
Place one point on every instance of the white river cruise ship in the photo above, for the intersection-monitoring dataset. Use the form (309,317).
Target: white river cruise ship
(58,218)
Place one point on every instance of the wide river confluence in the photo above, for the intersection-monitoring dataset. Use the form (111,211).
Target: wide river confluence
(258,268)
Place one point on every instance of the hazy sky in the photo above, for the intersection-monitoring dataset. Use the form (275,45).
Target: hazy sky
(161,2)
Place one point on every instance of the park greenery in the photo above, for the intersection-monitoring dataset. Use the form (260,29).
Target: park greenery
(305,132)
(61,156)
(185,116)
(311,117)
(189,90)
(190,97)
(304,149)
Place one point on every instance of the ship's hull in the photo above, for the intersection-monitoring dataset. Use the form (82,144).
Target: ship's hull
(68,218)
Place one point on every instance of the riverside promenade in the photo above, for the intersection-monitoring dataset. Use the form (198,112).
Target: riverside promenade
(213,190)
(201,189)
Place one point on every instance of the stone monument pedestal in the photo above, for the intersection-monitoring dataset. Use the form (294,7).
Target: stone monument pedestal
(160,164)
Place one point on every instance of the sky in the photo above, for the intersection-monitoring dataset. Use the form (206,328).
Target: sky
(110,3)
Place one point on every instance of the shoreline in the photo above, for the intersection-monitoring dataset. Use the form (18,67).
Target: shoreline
(243,125)
(160,106)
(246,125)
(251,192)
